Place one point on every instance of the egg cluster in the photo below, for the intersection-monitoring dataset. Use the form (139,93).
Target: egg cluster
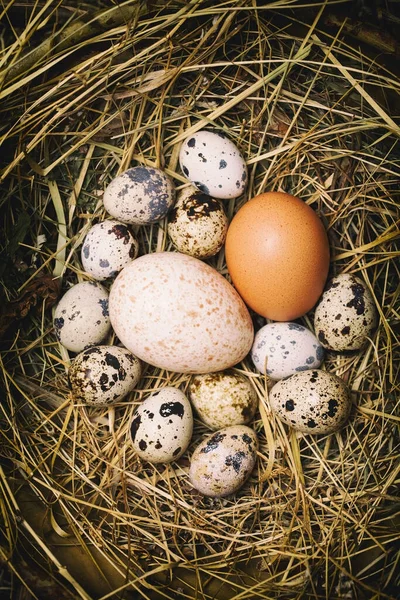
(176,312)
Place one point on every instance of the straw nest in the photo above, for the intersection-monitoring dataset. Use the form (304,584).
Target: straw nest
(84,96)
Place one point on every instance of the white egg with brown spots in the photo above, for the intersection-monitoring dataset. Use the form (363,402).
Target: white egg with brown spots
(223,399)
(214,165)
(162,426)
(312,402)
(81,318)
(107,248)
(103,375)
(175,312)
(283,349)
(197,224)
(139,196)
(222,463)
(346,315)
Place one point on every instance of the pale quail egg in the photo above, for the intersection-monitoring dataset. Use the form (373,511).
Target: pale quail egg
(103,375)
(214,165)
(312,401)
(223,399)
(283,349)
(107,248)
(81,317)
(139,195)
(197,224)
(222,463)
(162,426)
(346,315)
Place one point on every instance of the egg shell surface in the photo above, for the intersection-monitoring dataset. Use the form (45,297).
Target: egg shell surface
(312,401)
(346,315)
(139,195)
(283,349)
(107,248)
(175,312)
(103,375)
(214,165)
(162,426)
(222,463)
(277,254)
(197,224)
(223,399)
(81,318)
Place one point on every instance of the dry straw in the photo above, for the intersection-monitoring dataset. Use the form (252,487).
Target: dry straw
(86,94)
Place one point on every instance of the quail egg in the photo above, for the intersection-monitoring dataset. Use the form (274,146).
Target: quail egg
(81,317)
(345,316)
(103,375)
(312,401)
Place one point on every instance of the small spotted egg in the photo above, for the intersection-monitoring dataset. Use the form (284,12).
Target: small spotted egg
(283,349)
(223,399)
(213,163)
(162,426)
(222,463)
(81,317)
(139,196)
(103,375)
(107,248)
(197,224)
(312,401)
(345,316)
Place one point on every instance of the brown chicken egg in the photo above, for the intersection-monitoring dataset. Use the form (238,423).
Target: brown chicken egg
(277,253)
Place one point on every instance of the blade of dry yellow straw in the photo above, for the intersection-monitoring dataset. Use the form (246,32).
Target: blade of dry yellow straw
(357,86)
(61,226)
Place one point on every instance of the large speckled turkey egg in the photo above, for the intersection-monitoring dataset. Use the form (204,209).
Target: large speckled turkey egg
(346,315)
(107,248)
(103,375)
(139,196)
(283,349)
(81,317)
(197,224)
(277,254)
(178,313)
(223,399)
(312,401)
(162,426)
(213,163)
(222,463)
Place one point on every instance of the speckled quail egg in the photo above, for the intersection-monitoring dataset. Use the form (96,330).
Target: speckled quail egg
(222,463)
(223,399)
(162,426)
(197,224)
(139,195)
(81,317)
(213,163)
(283,349)
(312,401)
(345,316)
(103,375)
(107,248)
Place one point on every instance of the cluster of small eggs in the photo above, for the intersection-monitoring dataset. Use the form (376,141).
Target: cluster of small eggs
(174,311)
